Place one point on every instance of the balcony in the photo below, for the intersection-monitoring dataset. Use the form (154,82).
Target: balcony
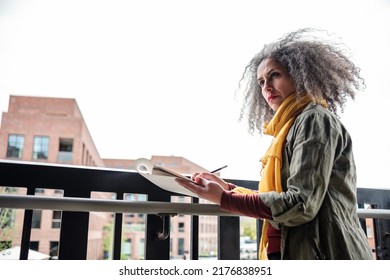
(77,184)
(65,157)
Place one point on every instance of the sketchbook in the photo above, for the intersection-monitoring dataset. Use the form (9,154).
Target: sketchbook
(162,177)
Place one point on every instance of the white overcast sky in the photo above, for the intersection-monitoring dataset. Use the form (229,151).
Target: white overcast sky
(158,77)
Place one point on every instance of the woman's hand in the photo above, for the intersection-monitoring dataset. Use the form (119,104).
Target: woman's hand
(211,177)
(208,186)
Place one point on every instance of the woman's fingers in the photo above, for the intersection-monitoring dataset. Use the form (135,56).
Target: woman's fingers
(189,186)
(206,189)
(193,176)
(211,177)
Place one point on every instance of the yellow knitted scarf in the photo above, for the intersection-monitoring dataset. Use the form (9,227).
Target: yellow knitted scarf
(278,127)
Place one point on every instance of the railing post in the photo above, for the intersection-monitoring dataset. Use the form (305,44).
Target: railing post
(228,238)
(74,224)
(156,249)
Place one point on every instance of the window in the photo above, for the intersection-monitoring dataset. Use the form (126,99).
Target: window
(141,248)
(54,248)
(65,150)
(59,192)
(41,147)
(66,145)
(181,227)
(181,246)
(34,245)
(56,222)
(39,191)
(82,155)
(36,219)
(126,249)
(129,197)
(15,146)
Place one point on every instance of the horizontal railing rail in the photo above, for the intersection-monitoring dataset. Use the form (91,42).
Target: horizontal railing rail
(155,208)
(104,205)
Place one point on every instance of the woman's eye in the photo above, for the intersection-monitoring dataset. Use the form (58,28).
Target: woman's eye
(274,74)
(261,83)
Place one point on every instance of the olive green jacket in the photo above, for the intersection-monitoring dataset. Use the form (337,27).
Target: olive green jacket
(317,210)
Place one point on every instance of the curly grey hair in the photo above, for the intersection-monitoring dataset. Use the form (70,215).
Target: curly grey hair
(318,68)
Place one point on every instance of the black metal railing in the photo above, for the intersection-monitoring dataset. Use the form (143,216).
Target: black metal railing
(78,183)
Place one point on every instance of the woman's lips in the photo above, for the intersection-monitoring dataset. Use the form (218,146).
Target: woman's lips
(272,97)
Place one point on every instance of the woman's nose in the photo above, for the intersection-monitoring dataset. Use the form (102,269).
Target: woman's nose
(267,84)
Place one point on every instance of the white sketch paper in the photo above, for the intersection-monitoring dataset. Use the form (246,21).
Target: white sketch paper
(163,180)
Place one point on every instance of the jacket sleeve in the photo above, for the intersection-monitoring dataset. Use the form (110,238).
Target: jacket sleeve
(311,145)
(247,204)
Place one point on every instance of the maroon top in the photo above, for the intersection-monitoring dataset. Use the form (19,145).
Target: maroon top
(252,206)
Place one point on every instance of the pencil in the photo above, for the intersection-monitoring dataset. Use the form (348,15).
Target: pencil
(218,169)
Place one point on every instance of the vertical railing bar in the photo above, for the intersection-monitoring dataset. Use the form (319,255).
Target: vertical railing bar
(228,238)
(26,232)
(118,231)
(194,250)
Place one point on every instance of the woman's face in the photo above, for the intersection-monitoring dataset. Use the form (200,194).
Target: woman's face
(275,82)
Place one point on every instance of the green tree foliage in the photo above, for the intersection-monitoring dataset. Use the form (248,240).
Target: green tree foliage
(6,223)
(249,228)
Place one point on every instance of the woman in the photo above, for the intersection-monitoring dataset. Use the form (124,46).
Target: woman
(307,193)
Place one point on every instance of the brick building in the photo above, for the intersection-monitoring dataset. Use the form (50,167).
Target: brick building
(48,130)
(52,130)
